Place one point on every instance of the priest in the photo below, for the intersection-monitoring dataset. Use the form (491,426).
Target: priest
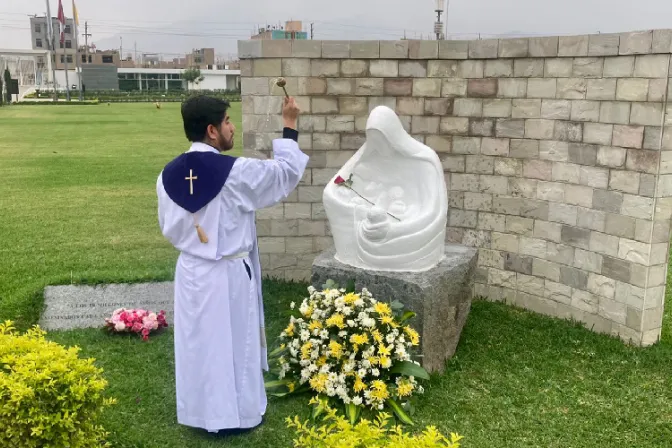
(206,204)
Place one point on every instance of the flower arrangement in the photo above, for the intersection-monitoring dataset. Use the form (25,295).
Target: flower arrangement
(136,321)
(350,348)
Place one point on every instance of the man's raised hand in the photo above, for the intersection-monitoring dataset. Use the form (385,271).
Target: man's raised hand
(290,113)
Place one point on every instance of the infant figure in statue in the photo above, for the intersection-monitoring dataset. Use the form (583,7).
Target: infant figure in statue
(388,205)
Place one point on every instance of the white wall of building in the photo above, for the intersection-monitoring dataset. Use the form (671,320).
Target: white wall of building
(215,81)
(73,79)
(212,79)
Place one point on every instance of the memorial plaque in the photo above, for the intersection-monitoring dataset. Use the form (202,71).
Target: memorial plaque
(77,306)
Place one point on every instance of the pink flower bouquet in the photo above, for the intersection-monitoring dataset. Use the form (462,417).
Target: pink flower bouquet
(136,321)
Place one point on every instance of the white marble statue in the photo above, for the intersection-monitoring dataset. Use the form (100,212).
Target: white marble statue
(387,206)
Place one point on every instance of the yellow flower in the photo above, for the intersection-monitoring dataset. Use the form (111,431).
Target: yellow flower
(336,349)
(359,385)
(322,361)
(314,325)
(319,382)
(389,320)
(415,337)
(305,350)
(374,361)
(359,339)
(377,336)
(384,351)
(337,320)
(350,298)
(291,387)
(383,309)
(289,331)
(309,311)
(405,388)
(379,391)
(385,362)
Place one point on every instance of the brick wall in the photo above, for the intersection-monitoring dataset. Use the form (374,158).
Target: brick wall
(551,147)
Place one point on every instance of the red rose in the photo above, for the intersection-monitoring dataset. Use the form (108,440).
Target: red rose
(339,180)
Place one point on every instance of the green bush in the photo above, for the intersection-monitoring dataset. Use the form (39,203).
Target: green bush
(338,432)
(49,397)
(58,103)
(139,96)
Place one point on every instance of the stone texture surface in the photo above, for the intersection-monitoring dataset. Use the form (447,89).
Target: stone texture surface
(441,297)
(73,306)
(556,151)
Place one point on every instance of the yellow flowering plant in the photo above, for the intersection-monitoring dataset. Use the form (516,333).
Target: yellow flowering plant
(338,432)
(351,349)
(50,397)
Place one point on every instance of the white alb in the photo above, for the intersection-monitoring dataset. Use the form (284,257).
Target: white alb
(220,347)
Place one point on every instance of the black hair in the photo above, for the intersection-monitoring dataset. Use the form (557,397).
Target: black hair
(198,112)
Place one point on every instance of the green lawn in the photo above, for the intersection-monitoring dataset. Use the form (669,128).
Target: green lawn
(78,197)
(77,204)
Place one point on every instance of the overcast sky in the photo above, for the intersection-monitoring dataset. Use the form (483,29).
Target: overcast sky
(177,26)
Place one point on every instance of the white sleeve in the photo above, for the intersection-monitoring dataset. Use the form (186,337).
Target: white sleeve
(161,211)
(263,183)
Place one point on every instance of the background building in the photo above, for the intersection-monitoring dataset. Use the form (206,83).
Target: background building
(106,69)
(293,29)
(171,79)
(39,33)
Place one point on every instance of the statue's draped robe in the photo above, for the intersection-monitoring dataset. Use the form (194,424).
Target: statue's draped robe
(389,159)
(220,347)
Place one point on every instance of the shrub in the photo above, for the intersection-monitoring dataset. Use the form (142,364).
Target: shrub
(58,103)
(49,397)
(338,432)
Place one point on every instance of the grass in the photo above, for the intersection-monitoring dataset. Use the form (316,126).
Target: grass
(78,197)
(77,204)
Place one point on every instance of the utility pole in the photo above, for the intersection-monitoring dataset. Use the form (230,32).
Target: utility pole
(438,26)
(52,53)
(77,58)
(86,40)
(121,48)
(311,31)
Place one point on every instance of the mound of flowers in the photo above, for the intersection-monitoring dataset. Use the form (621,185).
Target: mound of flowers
(136,321)
(349,349)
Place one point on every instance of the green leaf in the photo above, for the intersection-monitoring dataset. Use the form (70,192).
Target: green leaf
(399,412)
(407,315)
(408,368)
(276,383)
(352,411)
(279,394)
(351,286)
(277,352)
(397,305)
(320,407)
(330,284)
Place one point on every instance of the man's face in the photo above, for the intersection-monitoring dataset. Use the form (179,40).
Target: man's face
(223,138)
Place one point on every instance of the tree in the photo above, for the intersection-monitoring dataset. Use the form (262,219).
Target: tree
(192,76)
(8,83)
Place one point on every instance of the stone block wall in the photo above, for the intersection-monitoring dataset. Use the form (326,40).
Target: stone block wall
(557,153)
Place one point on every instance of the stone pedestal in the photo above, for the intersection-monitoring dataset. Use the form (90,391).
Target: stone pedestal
(441,297)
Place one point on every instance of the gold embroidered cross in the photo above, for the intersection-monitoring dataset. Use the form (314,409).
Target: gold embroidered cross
(191,180)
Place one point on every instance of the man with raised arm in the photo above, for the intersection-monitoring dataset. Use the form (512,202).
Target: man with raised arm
(207,202)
